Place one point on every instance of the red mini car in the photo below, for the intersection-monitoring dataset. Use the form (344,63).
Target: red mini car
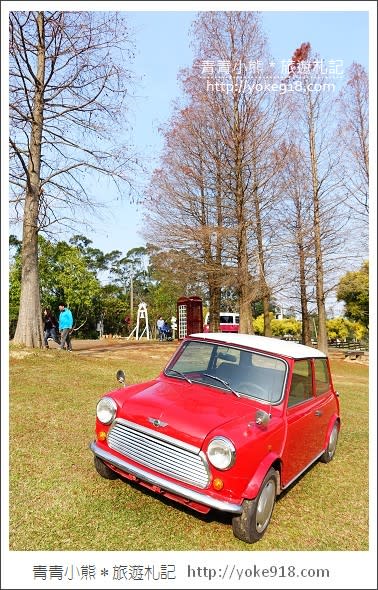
(230,423)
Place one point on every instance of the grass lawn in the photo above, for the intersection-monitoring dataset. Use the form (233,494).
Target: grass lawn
(59,502)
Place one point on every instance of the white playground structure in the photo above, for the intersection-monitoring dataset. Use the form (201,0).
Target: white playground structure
(141,315)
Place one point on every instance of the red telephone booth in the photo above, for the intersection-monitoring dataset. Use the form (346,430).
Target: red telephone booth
(189,314)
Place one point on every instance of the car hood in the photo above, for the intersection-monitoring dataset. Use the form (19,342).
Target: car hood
(188,411)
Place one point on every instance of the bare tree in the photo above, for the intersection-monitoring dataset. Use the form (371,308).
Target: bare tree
(232,38)
(185,203)
(217,172)
(68,85)
(295,229)
(248,119)
(353,133)
(312,109)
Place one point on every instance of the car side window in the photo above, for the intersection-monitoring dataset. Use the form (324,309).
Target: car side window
(322,381)
(301,383)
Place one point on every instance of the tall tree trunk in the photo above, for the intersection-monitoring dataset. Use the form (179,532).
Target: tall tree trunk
(260,249)
(266,312)
(214,307)
(320,297)
(212,252)
(216,285)
(29,331)
(302,256)
(244,283)
(306,332)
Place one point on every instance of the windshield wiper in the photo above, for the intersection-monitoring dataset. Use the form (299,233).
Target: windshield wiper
(222,381)
(180,374)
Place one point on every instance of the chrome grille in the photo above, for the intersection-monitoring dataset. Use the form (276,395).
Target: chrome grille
(159,452)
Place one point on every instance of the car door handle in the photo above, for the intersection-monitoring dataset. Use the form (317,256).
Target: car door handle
(318,413)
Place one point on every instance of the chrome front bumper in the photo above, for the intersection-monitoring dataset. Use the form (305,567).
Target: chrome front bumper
(168,486)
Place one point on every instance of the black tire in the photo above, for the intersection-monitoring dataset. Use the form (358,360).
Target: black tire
(330,451)
(104,470)
(251,524)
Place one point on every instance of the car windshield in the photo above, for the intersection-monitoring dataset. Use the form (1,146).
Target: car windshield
(231,369)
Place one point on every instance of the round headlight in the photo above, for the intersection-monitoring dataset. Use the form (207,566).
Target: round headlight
(221,453)
(106,410)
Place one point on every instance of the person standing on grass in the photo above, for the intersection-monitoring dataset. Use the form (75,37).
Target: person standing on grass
(65,327)
(50,326)
(159,326)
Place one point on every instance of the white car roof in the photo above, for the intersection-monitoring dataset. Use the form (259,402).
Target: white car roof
(263,343)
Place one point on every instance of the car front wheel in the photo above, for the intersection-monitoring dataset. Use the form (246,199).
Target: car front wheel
(251,524)
(104,470)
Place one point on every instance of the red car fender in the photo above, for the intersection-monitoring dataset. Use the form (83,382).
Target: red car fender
(334,418)
(254,485)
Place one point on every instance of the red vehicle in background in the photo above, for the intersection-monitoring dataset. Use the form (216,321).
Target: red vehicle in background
(228,322)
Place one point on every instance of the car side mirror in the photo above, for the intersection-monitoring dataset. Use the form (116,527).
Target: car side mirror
(262,418)
(120,376)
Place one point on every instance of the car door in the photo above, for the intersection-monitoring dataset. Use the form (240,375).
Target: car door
(304,423)
(327,405)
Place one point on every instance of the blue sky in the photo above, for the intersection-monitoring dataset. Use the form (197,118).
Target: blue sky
(336,30)
(162,48)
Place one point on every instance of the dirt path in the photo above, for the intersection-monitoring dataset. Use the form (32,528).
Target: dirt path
(121,348)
